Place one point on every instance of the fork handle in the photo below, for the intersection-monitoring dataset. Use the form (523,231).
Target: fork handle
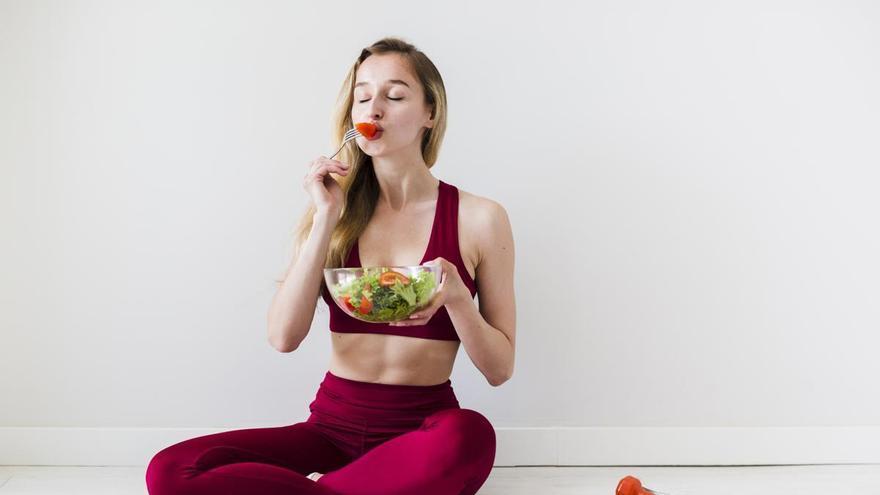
(337,151)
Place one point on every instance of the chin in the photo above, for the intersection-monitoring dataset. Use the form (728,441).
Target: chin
(374,151)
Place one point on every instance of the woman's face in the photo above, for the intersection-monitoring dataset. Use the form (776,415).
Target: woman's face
(387,95)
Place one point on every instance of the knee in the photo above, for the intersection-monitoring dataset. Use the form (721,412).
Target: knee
(164,472)
(475,425)
(470,435)
(157,472)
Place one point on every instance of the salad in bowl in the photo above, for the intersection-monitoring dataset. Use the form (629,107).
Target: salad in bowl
(382,294)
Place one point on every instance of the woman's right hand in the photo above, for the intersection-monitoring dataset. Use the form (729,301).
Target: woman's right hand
(326,193)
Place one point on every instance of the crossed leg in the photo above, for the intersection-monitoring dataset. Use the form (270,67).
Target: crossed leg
(254,461)
(450,454)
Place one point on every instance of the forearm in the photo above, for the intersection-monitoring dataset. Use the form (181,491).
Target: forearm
(489,348)
(293,307)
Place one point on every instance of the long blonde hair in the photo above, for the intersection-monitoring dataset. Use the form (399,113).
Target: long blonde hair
(360,187)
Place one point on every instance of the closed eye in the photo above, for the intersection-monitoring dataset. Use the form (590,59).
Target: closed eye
(395,99)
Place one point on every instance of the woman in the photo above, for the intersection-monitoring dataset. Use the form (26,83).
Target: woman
(385,419)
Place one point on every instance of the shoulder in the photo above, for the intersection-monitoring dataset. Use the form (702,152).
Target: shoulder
(479,208)
(482,219)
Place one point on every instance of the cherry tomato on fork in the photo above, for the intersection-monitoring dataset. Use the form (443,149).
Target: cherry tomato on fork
(367,129)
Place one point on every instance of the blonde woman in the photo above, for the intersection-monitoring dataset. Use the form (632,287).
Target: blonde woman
(385,419)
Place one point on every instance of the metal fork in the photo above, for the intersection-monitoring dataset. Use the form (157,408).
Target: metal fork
(348,137)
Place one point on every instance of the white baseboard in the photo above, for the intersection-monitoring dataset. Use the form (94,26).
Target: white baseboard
(549,446)
(686,446)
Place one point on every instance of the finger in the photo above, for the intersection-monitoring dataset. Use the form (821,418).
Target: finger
(419,318)
(332,162)
(325,169)
(409,323)
(326,161)
(424,313)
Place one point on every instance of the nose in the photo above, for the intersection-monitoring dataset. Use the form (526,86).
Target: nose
(375,110)
(369,112)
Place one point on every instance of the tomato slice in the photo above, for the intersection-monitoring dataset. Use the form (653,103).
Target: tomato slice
(366,128)
(346,300)
(366,305)
(388,278)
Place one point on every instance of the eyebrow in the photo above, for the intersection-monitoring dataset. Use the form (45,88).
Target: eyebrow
(390,81)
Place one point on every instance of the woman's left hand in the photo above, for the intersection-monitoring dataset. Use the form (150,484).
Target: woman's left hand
(450,289)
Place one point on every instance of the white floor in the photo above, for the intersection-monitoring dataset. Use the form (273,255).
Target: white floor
(760,480)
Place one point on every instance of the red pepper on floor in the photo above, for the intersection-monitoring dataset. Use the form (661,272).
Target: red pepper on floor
(630,485)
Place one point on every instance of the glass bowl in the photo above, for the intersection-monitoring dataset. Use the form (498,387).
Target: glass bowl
(382,294)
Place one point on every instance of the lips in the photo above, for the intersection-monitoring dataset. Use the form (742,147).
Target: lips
(375,136)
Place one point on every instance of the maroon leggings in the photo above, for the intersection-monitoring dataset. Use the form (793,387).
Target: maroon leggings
(368,438)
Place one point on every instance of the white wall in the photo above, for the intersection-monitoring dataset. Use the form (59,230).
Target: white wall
(692,188)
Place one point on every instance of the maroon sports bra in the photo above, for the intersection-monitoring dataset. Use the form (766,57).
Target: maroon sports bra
(443,243)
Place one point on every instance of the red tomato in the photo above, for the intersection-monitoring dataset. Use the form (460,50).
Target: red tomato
(346,301)
(366,128)
(366,305)
(388,278)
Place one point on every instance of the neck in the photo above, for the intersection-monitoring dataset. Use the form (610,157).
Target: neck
(404,181)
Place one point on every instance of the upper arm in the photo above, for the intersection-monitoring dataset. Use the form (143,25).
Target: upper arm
(494,273)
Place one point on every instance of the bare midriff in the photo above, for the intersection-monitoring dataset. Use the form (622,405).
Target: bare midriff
(392,359)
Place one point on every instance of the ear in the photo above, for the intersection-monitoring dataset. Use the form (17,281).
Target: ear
(430,123)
